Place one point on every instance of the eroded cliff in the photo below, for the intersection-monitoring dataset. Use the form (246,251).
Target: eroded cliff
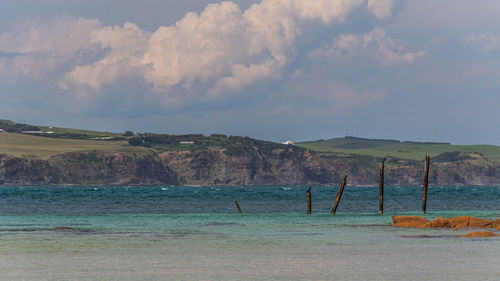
(85,168)
(284,166)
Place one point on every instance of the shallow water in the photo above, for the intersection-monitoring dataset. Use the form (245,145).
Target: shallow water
(178,233)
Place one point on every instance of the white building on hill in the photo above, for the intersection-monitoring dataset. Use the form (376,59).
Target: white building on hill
(288,142)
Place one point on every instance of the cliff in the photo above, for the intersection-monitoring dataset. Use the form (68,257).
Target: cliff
(303,167)
(79,157)
(85,168)
(278,166)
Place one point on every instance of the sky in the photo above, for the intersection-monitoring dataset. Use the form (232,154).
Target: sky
(422,70)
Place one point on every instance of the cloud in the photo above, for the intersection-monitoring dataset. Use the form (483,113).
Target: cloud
(209,55)
(232,48)
(375,45)
(42,48)
(382,9)
(125,47)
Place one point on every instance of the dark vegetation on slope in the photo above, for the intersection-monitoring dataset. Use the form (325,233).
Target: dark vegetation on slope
(13,127)
(232,145)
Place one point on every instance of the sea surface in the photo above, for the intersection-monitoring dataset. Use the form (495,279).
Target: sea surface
(196,233)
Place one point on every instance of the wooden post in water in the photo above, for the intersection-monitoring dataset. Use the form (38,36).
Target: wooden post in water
(309,201)
(237,206)
(426,183)
(381,188)
(339,195)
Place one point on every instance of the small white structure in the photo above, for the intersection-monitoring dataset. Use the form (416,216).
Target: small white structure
(187,142)
(50,132)
(3,131)
(288,142)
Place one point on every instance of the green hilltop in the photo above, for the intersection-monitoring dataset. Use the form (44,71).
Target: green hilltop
(55,140)
(398,149)
(22,140)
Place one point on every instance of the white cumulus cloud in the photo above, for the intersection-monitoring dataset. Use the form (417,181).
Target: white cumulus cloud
(234,48)
(125,46)
(223,49)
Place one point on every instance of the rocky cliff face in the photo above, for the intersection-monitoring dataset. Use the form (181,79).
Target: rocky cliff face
(301,167)
(291,166)
(449,173)
(215,167)
(85,168)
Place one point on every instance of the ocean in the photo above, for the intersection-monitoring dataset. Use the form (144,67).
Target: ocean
(196,233)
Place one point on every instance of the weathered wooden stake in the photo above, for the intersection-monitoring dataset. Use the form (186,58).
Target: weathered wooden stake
(237,206)
(381,188)
(426,183)
(309,201)
(339,195)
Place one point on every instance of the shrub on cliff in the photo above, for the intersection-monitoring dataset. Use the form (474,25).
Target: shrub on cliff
(13,127)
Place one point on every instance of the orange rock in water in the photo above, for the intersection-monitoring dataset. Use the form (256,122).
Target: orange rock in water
(441,222)
(461,225)
(411,221)
(480,234)
(496,223)
(480,223)
(426,225)
(463,220)
(456,223)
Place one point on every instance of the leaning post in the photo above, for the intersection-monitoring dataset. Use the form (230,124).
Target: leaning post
(237,206)
(426,184)
(339,195)
(381,188)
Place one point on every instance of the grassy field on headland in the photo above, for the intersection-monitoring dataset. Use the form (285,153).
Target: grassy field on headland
(22,145)
(62,140)
(78,131)
(394,148)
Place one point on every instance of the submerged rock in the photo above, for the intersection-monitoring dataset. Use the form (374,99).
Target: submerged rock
(62,228)
(479,234)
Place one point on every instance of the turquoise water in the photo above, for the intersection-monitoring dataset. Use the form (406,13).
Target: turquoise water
(177,233)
